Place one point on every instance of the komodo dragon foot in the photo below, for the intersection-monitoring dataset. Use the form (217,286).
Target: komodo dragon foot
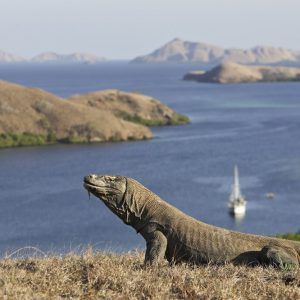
(279,256)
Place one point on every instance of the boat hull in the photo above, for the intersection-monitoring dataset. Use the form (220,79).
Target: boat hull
(238,210)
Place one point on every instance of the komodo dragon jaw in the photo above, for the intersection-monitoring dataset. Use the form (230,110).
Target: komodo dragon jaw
(110,189)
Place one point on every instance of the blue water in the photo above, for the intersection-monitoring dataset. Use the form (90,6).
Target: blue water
(256,126)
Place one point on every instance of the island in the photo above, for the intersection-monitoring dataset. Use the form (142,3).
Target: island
(31,116)
(6,57)
(237,73)
(78,57)
(52,58)
(182,51)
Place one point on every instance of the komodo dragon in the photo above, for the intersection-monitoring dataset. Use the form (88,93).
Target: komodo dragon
(171,234)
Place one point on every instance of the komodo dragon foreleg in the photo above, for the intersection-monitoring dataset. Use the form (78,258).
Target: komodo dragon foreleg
(156,247)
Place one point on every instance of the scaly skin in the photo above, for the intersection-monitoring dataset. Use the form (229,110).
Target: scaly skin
(171,234)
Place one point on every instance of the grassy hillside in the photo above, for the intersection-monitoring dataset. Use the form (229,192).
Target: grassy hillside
(30,116)
(133,107)
(112,276)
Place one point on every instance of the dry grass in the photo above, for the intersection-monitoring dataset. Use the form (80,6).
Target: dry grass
(113,276)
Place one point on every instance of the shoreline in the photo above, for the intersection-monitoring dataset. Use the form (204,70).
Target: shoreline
(16,140)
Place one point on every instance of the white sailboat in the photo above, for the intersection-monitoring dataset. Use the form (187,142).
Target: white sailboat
(237,202)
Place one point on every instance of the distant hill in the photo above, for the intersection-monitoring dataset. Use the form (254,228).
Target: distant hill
(237,73)
(30,116)
(52,57)
(6,57)
(180,51)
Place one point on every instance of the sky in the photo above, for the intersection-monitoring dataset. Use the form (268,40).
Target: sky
(124,29)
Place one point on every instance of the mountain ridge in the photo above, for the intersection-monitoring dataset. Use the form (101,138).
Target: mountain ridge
(8,57)
(181,51)
(52,57)
(77,57)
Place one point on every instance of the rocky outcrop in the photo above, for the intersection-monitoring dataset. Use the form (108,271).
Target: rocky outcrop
(180,51)
(236,73)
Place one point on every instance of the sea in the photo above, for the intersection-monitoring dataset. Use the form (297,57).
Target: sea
(44,207)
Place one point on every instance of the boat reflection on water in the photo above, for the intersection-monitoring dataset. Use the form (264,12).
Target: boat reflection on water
(238,219)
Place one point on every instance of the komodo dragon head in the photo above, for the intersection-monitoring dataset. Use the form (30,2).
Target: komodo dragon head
(110,189)
(124,196)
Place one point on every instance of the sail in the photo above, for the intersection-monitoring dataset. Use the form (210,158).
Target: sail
(236,184)
(237,203)
(236,190)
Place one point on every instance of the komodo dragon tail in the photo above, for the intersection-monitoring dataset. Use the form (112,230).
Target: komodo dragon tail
(297,248)
(298,251)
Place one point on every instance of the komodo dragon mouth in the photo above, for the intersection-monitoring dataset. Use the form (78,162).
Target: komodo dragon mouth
(110,189)
(89,185)
(102,183)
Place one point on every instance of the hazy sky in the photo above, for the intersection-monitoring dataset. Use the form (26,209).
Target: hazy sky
(127,28)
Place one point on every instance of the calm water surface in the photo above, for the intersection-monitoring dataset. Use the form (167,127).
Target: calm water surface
(256,126)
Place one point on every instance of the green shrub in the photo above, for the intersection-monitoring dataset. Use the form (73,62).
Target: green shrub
(51,137)
(177,119)
(22,139)
(290,236)
(74,139)
(180,120)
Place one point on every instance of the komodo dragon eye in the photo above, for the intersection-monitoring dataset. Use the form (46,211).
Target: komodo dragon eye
(113,179)
(110,178)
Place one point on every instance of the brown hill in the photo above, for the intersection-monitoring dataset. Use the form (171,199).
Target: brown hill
(32,116)
(43,118)
(236,73)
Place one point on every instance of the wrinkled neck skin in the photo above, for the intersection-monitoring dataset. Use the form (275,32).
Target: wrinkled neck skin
(132,209)
(139,202)
(134,204)
(119,210)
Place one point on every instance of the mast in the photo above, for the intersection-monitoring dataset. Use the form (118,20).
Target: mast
(237,203)
(236,184)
